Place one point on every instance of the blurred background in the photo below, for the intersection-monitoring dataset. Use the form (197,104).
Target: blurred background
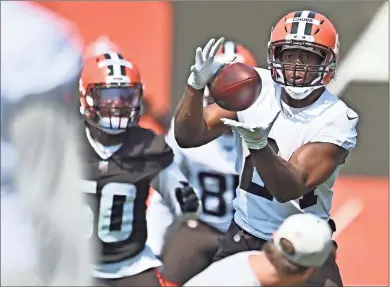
(161,37)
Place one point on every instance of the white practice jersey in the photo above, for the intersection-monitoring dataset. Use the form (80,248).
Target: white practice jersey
(233,270)
(210,170)
(327,120)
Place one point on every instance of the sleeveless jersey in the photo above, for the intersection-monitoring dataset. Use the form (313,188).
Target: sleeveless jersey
(327,120)
(210,170)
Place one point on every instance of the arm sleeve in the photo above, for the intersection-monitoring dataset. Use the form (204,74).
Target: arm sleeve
(341,131)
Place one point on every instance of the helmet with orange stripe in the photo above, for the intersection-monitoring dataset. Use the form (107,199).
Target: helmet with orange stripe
(242,54)
(312,35)
(111,93)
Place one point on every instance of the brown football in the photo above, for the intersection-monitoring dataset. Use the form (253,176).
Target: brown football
(236,87)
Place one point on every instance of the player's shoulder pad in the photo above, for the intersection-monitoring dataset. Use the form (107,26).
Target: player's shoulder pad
(352,115)
(347,119)
(341,129)
(144,144)
(344,114)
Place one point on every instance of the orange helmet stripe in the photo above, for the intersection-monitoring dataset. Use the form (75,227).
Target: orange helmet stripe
(229,48)
(318,17)
(118,70)
(302,25)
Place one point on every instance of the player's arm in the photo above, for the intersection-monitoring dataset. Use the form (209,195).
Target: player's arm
(161,169)
(195,125)
(310,165)
(180,198)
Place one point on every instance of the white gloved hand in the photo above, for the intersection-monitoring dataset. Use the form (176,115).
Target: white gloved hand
(255,136)
(206,66)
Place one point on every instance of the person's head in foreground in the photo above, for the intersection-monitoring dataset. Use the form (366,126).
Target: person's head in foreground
(301,244)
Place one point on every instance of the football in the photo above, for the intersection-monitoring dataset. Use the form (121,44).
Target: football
(236,87)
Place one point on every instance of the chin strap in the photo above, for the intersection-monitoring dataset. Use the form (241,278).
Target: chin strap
(300,93)
(113,132)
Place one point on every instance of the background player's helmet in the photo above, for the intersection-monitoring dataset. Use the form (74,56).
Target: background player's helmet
(111,92)
(242,54)
(310,31)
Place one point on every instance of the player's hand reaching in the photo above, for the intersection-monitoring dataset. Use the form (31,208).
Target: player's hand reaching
(189,202)
(206,66)
(255,136)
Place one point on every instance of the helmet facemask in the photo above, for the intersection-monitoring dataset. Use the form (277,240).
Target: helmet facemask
(113,108)
(299,87)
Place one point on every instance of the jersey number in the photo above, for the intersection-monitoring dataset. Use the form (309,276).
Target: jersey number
(309,199)
(115,210)
(210,192)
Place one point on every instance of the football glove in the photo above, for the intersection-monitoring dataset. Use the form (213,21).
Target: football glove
(189,202)
(206,66)
(255,136)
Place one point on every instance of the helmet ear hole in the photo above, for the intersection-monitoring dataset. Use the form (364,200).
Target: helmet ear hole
(278,51)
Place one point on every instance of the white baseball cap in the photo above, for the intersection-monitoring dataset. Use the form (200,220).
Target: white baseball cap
(310,236)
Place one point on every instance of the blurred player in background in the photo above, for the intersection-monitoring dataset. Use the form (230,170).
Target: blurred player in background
(210,171)
(122,161)
(42,237)
(291,143)
(301,245)
(150,118)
